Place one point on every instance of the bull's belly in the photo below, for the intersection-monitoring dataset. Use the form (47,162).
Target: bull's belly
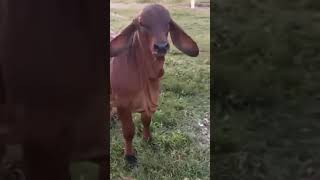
(138,103)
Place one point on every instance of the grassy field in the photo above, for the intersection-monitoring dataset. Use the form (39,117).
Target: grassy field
(180,127)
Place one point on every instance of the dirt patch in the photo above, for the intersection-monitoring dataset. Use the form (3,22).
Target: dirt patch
(204,128)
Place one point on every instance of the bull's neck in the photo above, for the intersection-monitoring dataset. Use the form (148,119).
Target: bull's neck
(145,61)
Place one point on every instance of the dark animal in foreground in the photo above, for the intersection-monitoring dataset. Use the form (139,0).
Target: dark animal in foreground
(136,68)
(52,84)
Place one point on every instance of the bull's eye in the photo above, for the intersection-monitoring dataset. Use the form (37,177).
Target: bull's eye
(143,26)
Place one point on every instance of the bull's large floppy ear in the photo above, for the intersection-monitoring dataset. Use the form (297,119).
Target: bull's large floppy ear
(123,40)
(182,40)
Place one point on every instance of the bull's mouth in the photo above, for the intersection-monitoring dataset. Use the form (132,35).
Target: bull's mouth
(159,56)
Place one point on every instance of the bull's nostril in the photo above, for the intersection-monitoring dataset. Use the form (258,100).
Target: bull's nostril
(167,46)
(156,47)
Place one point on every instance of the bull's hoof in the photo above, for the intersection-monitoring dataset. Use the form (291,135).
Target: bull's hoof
(131,161)
(147,139)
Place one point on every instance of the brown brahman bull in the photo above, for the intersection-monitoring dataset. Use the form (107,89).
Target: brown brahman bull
(136,68)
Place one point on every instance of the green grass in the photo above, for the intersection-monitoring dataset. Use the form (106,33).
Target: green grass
(179,149)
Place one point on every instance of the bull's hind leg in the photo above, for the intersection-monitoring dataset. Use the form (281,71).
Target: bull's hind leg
(146,121)
(125,117)
(113,117)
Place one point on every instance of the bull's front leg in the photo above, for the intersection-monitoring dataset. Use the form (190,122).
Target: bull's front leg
(146,121)
(128,130)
